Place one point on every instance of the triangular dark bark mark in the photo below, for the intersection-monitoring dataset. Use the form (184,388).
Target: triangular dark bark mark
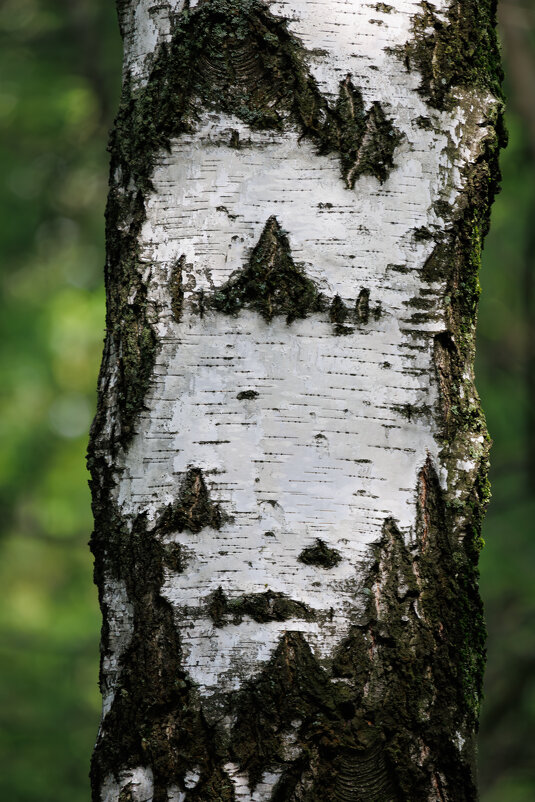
(294,699)
(193,510)
(338,312)
(286,691)
(366,140)
(271,283)
(417,660)
(374,152)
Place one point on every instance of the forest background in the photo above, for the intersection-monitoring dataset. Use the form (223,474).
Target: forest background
(60,65)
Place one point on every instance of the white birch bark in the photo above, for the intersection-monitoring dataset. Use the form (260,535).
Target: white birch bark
(299,435)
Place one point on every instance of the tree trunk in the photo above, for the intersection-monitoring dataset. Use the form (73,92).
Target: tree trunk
(289,458)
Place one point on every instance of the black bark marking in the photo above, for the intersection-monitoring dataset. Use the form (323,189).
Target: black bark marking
(261,607)
(373,140)
(247,395)
(271,283)
(176,290)
(193,510)
(154,720)
(338,312)
(460,51)
(362,306)
(235,57)
(320,554)
(420,655)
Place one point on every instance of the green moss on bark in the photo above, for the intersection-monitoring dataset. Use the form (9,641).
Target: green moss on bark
(458,52)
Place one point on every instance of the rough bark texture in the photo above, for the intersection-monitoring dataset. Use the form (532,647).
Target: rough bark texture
(289,458)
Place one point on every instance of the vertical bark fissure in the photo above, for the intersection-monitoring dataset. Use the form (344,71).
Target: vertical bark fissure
(289,456)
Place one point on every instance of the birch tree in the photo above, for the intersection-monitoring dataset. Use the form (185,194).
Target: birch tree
(289,459)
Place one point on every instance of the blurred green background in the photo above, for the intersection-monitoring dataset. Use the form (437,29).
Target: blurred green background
(60,63)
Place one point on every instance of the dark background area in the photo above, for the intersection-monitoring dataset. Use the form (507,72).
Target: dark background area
(60,64)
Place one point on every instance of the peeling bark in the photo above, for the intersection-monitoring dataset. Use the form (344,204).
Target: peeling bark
(289,458)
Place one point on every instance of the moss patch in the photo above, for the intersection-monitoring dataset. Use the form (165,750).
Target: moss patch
(460,51)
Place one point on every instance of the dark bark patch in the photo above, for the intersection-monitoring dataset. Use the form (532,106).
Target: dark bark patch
(247,395)
(153,720)
(460,51)
(372,140)
(338,312)
(261,607)
(235,57)
(173,557)
(193,510)
(176,290)
(320,554)
(271,283)
(419,657)
(362,306)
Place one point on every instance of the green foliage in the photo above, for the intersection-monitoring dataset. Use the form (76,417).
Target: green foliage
(60,65)
(507,753)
